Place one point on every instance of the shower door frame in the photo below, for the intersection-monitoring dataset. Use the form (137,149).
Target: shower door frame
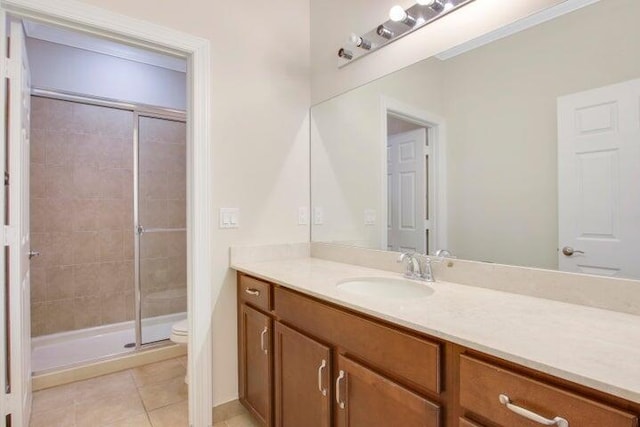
(86,18)
(138,111)
(139,230)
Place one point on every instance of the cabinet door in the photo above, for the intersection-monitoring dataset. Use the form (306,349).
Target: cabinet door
(367,399)
(255,362)
(302,380)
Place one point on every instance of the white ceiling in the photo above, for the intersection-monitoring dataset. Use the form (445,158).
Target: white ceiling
(96,44)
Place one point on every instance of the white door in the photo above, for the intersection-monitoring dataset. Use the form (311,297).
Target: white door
(406,191)
(599,181)
(17,229)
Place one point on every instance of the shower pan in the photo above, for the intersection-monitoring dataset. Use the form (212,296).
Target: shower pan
(108,215)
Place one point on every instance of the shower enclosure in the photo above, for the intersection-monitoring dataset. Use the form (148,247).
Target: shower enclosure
(108,216)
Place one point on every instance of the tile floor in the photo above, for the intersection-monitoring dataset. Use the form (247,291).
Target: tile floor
(153,395)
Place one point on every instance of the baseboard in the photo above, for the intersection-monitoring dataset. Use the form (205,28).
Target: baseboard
(121,363)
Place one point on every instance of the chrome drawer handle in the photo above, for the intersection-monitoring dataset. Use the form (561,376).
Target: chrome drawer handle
(264,332)
(338,381)
(252,291)
(559,421)
(320,369)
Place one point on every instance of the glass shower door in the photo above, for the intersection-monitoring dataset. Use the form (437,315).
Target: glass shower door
(161,250)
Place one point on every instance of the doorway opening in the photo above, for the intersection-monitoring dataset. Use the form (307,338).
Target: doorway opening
(107,195)
(409,186)
(414,182)
(15,299)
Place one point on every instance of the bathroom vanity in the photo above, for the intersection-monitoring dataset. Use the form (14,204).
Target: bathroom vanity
(311,354)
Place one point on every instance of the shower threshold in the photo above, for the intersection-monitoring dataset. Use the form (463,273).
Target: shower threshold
(67,349)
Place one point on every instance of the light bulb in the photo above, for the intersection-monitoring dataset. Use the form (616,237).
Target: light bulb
(359,41)
(426,2)
(397,14)
(448,6)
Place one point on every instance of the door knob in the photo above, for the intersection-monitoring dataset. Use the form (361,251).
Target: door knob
(33,254)
(569,251)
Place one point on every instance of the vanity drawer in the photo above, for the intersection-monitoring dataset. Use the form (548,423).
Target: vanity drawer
(411,360)
(254,292)
(466,423)
(482,383)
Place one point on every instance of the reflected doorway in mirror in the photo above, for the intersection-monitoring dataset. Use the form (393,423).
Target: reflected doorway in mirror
(414,193)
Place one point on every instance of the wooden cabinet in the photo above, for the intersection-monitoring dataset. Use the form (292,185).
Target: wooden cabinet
(255,365)
(303,389)
(322,365)
(508,399)
(366,398)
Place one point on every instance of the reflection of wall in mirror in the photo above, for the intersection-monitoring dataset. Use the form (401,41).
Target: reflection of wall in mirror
(348,156)
(499,103)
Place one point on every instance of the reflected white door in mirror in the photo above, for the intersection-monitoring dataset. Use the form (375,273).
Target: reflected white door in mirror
(414,142)
(599,172)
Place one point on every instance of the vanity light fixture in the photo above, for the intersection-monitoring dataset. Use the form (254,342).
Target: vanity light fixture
(433,4)
(401,22)
(345,54)
(358,41)
(398,14)
(384,32)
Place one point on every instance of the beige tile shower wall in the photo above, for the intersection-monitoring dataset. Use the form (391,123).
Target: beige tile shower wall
(163,262)
(81,216)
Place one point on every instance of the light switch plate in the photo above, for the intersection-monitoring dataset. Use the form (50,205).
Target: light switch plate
(229,218)
(369,217)
(303,215)
(318,216)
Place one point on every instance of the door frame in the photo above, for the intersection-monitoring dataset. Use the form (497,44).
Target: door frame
(437,137)
(86,18)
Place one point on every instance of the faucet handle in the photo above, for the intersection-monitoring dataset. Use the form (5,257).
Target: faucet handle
(441,254)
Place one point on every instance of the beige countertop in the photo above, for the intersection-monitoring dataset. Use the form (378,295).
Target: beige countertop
(589,346)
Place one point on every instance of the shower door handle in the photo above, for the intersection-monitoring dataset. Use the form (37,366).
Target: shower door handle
(33,254)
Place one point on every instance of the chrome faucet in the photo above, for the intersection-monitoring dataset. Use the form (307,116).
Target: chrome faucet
(417,268)
(413,266)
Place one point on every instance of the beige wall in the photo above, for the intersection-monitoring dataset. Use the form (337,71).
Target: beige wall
(260,100)
(347,151)
(333,20)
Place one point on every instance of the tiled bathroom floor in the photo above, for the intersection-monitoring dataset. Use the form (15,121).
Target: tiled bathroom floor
(153,395)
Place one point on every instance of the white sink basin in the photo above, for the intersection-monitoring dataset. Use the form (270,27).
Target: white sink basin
(383,287)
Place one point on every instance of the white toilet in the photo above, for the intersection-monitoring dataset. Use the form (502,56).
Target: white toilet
(180,335)
(180,332)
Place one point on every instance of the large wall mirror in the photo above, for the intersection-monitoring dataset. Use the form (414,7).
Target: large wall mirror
(524,151)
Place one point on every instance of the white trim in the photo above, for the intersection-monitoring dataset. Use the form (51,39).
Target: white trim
(438,140)
(65,37)
(545,15)
(94,20)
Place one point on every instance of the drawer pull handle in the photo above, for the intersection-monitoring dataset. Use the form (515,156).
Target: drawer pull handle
(559,421)
(320,369)
(338,381)
(251,291)
(264,332)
